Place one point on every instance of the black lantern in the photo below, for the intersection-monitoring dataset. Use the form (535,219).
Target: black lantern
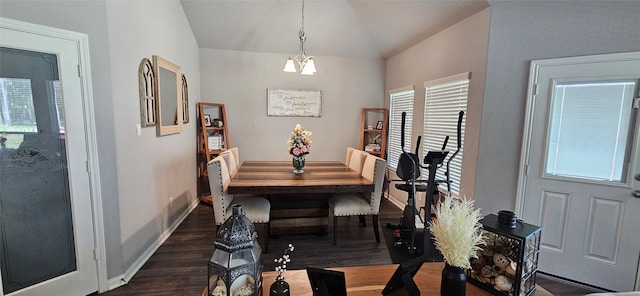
(508,263)
(234,268)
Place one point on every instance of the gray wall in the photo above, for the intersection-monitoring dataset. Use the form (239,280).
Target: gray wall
(457,49)
(240,81)
(522,31)
(156,175)
(139,174)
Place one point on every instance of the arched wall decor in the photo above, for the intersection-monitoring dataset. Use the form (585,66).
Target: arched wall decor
(185,100)
(146,80)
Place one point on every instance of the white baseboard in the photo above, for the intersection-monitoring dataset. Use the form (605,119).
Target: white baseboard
(396,202)
(123,279)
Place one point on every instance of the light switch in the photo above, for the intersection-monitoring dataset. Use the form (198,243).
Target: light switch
(138,129)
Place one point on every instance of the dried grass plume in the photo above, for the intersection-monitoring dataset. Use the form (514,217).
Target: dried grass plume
(457,231)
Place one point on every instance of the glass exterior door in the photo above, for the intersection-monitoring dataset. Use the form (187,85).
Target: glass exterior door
(37,241)
(47,240)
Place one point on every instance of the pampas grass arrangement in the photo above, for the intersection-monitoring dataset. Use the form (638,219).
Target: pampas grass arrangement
(457,231)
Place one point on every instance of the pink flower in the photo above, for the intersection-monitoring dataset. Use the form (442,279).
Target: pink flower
(299,141)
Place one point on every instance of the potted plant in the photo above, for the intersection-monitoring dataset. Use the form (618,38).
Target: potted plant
(458,236)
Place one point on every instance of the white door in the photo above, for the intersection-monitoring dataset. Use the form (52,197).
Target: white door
(47,239)
(581,168)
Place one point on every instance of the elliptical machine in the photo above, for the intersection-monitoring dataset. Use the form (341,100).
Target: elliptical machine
(408,170)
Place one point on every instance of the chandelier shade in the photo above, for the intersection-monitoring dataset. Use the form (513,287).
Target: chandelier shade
(309,67)
(289,66)
(305,63)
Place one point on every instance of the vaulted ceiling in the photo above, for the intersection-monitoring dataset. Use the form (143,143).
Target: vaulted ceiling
(346,28)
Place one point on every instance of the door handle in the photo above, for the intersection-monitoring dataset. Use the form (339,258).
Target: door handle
(637,176)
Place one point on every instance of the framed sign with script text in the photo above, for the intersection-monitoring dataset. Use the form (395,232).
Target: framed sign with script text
(284,102)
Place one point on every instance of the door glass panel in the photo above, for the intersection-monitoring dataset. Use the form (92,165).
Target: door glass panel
(36,238)
(590,128)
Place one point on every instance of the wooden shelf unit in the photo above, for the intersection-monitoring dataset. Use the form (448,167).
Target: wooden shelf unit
(216,113)
(370,133)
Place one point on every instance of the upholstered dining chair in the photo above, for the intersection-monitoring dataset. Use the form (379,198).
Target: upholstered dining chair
(357,159)
(351,204)
(230,160)
(255,208)
(236,154)
(349,152)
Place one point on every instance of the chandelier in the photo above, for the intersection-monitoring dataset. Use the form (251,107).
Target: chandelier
(305,63)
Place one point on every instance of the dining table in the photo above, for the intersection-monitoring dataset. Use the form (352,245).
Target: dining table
(277,177)
(299,202)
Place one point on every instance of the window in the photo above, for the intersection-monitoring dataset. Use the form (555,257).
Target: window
(580,143)
(54,90)
(444,99)
(401,100)
(17,112)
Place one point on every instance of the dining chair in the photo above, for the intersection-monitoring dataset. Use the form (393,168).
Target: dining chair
(256,208)
(230,160)
(361,204)
(357,159)
(236,154)
(349,153)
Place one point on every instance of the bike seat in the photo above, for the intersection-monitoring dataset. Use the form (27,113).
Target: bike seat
(407,187)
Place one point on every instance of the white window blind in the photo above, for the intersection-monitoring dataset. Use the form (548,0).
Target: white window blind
(578,130)
(444,99)
(401,100)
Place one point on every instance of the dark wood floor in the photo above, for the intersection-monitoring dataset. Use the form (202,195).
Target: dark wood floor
(179,266)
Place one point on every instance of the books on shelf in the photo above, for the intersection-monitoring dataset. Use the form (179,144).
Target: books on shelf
(215,142)
(372,147)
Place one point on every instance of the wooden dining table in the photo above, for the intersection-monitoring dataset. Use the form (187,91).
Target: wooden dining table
(298,201)
(277,177)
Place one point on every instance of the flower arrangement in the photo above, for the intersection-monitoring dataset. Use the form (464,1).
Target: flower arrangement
(300,141)
(457,231)
(282,262)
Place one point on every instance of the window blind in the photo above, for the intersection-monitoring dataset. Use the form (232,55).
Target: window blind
(400,100)
(444,99)
(578,130)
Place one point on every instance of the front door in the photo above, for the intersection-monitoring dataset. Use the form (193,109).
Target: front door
(582,168)
(46,239)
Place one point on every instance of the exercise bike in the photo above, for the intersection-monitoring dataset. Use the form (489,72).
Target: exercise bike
(408,170)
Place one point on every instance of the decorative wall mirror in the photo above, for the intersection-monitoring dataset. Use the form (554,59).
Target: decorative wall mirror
(168,93)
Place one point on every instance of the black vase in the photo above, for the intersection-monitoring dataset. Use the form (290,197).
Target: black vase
(279,288)
(454,281)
